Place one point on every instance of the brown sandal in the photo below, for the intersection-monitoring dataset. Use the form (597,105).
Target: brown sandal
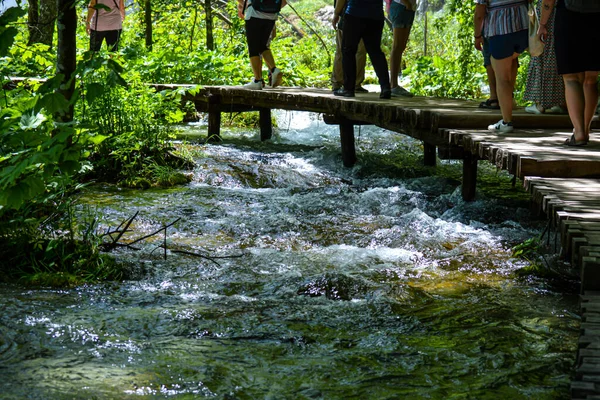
(577,143)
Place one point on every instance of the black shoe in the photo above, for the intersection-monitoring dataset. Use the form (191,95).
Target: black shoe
(360,89)
(343,92)
(385,94)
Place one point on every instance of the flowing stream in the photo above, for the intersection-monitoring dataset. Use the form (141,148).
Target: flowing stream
(334,283)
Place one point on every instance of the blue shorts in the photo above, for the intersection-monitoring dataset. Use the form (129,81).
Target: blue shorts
(486,52)
(400,16)
(503,46)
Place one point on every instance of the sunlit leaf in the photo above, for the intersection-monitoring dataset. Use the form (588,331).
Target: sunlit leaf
(31,121)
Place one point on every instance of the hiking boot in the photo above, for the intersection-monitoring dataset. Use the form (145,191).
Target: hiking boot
(399,91)
(343,92)
(254,85)
(385,94)
(360,89)
(501,127)
(275,77)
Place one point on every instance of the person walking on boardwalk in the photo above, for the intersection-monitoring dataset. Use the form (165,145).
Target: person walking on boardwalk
(337,75)
(506,24)
(260,17)
(402,15)
(577,32)
(544,86)
(105,23)
(363,19)
(492,102)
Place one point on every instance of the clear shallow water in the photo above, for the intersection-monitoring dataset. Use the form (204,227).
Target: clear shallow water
(344,284)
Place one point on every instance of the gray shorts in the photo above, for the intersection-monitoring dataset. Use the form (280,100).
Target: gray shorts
(400,16)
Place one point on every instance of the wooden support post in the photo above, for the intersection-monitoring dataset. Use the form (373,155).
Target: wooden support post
(429,155)
(214,118)
(347,143)
(264,120)
(469,183)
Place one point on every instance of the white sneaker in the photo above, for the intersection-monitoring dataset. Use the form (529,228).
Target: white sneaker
(275,78)
(254,85)
(399,91)
(556,110)
(532,109)
(500,126)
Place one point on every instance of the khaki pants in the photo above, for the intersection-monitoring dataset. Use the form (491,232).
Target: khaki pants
(337,76)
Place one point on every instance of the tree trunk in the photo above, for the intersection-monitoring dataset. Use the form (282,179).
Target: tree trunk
(66,58)
(210,42)
(41,21)
(148,23)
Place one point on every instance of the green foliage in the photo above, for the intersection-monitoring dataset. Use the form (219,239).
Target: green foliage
(453,67)
(47,246)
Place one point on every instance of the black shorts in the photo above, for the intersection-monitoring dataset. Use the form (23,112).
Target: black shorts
(112,39)
(258,32)
(576,38)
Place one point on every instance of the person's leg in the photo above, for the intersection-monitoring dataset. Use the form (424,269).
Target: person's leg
(575,97)
(337,75)
(491,76)
(487,63)
(505,84)
(256,64)
(372,39)
(398,46)
(258,32)
(361,63)
(95,40)
(351,38)
(267,56)
(112,39)
(402,20)
(590,91)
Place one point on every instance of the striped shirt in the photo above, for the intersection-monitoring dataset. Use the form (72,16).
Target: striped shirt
(504,16)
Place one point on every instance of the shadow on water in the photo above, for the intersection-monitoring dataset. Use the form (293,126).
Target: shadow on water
(347,283)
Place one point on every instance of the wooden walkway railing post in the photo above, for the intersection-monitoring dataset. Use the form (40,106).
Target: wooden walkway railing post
(469,183)
(429,154)
(347,142)
(214,117)
(264,120)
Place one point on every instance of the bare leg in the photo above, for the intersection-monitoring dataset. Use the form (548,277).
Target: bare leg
(268,58)
(590,91)
(256,64)
(576,103)
(492,82)
(398,46)
(505,84)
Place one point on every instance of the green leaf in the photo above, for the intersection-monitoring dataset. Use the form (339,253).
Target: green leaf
(93,91)
(11,15)
(115,79)
(31,121)
(7,37)
(51,84)
(69,167)
(54,102)
(97,139)
(35,186)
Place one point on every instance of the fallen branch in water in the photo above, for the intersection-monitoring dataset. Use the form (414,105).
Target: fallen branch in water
(115,241)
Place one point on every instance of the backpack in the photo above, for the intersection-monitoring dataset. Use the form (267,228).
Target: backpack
(587,6)
(267,6)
